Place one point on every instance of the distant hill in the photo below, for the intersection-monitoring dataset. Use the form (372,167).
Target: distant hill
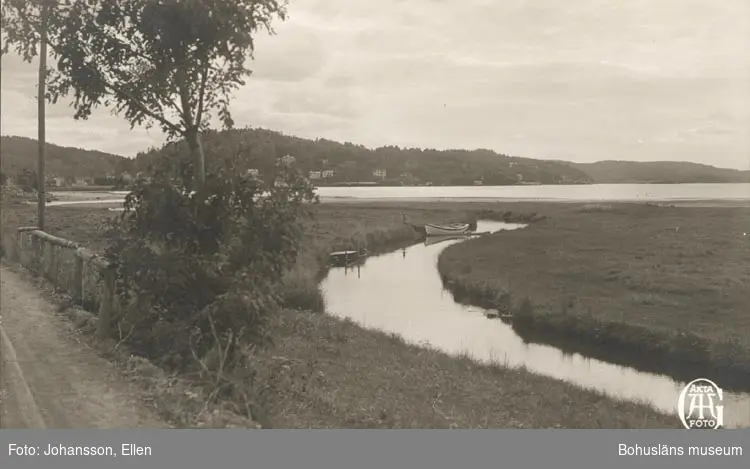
(664,172)
(19,153)
(260,149)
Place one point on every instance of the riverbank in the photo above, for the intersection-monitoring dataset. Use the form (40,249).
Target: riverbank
(325,372)
(663,286)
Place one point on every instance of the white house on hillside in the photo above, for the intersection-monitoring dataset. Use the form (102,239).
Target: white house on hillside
(380,173)
(287,159)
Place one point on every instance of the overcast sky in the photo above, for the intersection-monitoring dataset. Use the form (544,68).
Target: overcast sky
(581,80)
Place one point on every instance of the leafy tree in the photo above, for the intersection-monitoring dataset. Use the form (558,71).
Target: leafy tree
(201,271)
(169,63)
(200,254)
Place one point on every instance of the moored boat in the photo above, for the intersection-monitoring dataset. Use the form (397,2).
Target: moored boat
(446,230)
(347,257)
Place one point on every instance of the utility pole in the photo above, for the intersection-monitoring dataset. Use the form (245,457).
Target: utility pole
(41,98)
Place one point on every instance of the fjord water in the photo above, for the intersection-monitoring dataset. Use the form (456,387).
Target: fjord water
(548,193)
(402,292)
(562,193)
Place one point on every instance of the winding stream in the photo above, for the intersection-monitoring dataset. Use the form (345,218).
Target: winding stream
(402,292)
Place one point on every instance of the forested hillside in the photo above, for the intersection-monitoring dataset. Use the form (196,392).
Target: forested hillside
(350,163)
(614,172)
(20,153)
(260,149)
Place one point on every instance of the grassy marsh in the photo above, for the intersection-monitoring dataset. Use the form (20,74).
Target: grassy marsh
(670,283)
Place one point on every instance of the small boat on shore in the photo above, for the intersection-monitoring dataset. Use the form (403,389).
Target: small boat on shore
(447,230)
(343,258)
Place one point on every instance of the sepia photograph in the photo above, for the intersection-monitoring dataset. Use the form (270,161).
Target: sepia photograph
(350,214)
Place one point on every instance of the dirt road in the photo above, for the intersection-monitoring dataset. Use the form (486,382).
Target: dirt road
(48,379)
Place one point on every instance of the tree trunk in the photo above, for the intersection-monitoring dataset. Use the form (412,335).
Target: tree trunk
(197,156)
(192,134)
(41,196)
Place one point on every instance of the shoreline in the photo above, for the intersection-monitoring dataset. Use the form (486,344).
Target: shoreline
(697,202)
(677,202)
(568,308)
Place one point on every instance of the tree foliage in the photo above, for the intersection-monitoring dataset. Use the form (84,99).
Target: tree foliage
(171,63)
(20,24)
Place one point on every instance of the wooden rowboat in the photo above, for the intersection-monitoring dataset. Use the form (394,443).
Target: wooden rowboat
(343,258)
(446,230)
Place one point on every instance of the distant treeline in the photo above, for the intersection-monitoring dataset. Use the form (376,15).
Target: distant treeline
(334,163)
(18,154)
(660,172)
(340,163)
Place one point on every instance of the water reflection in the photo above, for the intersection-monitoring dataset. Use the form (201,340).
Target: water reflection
(402,292)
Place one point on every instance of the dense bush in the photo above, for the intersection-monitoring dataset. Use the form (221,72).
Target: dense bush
(199,271)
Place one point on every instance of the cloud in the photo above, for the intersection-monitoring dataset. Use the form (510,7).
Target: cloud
(301,55)
(584,80)
(18,112)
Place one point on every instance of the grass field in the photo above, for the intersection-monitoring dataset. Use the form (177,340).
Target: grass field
(325,372)
(668,282)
